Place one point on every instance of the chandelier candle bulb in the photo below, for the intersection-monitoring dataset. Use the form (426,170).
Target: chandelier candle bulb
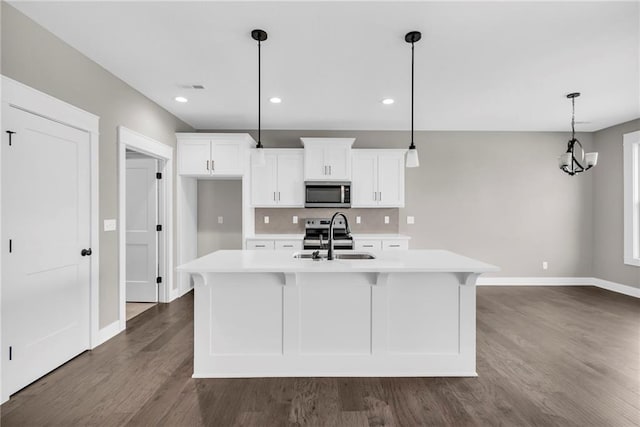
(564,160)
(592,159)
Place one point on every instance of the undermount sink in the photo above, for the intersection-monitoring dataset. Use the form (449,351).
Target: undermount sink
(349,256)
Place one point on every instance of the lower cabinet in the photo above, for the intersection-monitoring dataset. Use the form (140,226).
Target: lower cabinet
(277,244)
(380,244)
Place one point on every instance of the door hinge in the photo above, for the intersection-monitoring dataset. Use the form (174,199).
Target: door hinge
(158,175)
(158,279)
(10,246)
(10,352)
(10,132)
(159,227)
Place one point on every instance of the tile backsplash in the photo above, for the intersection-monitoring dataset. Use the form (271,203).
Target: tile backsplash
(281,219)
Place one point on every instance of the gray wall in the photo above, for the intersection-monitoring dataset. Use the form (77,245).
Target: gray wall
(219,198)
(608,198)
(35,57)
(495,196)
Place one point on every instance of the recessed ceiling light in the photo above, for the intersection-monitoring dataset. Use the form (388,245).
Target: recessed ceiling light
(275,100)
(181,99)
(388,101)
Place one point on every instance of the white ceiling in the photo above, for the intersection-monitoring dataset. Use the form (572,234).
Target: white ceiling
(479,66)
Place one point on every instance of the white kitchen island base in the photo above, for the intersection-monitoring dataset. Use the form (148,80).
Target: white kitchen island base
(407,317)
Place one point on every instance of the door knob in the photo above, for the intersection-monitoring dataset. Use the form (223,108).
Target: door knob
(85,252)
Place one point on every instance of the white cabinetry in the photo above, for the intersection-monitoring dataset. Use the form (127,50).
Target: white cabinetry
(280,181)
(327,159)
(212,154)
(371,243)
(378,178)
(285,243)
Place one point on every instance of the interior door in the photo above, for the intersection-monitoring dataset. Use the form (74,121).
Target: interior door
(142,235)
(291,179)
(46,224)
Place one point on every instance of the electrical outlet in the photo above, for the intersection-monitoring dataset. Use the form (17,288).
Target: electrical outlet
(266,219)
(295,219)
(545,265)
(109,225)
(411,220)
(220,220)
(358,219)
(386,220)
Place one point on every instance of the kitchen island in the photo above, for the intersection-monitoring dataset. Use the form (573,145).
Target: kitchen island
(267,313)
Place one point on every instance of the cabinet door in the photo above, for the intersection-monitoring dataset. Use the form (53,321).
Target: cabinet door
(194,157)
(264,180)
(391,180)
(291,179)
(338,160)
(226,158)
(314,166)
(364,185)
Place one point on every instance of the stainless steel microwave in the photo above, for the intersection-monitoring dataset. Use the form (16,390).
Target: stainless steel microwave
(327,194)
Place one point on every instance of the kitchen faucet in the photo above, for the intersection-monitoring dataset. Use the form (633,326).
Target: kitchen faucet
(347,229)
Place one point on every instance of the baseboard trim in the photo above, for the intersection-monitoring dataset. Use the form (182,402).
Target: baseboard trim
(535,281)
(108,332)
(617,287)
(560,281)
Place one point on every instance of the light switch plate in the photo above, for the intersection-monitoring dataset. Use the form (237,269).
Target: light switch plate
(220,220)
(110,225)
(266,219)
(411,220)
(295,219)
(358,219)
(386,220)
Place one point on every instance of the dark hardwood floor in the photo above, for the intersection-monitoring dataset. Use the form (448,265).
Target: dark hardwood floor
(565,356)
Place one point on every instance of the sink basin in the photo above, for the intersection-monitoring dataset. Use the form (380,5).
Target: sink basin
(342,255)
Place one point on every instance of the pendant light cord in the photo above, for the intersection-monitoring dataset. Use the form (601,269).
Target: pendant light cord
(412,67)
(573,118)
(259,98)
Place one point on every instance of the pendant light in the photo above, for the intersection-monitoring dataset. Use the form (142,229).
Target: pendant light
(412,154)
(259,36)
(574,160)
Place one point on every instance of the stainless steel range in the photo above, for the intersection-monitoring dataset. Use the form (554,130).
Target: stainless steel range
(317,234)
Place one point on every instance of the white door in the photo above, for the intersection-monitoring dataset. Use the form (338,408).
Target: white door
(364,186)
(226,158)
(291,179)
(46,225)
(391,179)
(142,236)
(314,165)
(338,160)
(264,185)
(194,157)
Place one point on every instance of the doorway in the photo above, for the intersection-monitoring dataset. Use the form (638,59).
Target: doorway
(146,223)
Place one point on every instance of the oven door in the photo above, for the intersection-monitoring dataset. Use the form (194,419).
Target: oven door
(327,195)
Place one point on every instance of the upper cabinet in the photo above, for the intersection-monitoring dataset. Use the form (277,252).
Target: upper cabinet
(327,159)
(202,154)
(279,182)
(378,178)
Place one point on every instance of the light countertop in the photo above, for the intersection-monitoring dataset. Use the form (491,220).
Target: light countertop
(356,236)
(241,261)
(276,237)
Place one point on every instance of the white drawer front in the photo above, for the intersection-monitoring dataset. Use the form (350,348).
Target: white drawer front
(388,245)
(260,245)
(367,245)
(288,245)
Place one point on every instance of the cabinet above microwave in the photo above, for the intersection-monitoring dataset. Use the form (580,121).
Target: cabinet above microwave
(327,159)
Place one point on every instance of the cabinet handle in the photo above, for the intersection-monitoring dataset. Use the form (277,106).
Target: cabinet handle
(329,169)
(394,246)
(375,196)
(367,246)
(207,164)
(260,246)
(380,196)
(278,196)
(213,165)
(287,246)
(325,170)
(274,196)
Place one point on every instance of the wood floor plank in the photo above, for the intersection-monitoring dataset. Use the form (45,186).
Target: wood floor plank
(546,356)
